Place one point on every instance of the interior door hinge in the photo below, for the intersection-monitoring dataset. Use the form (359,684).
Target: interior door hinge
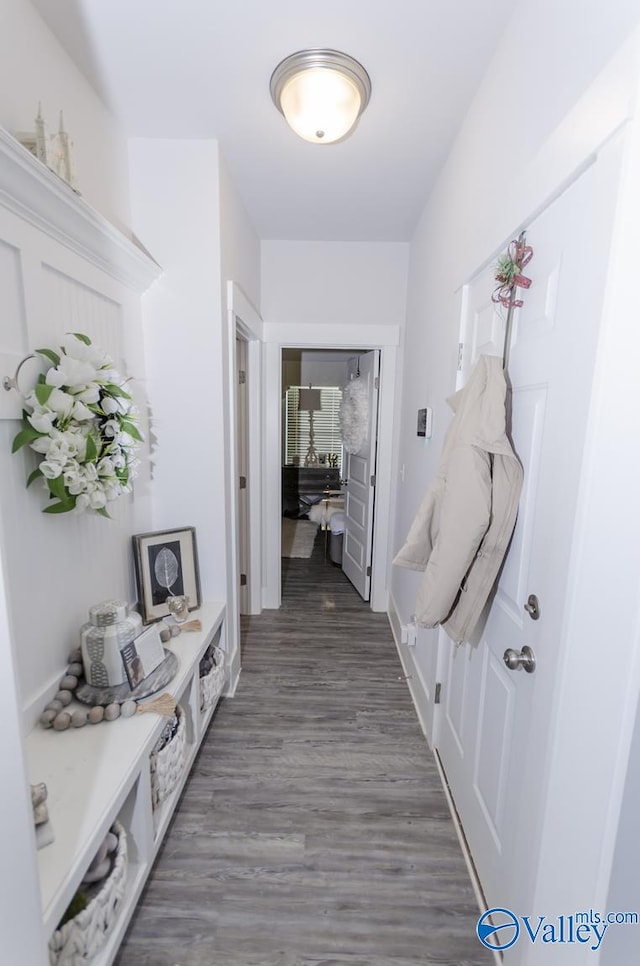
(368,571)
(436,698)
(460,352)
(373,481)
(243,580)
(243,483)
(242,377)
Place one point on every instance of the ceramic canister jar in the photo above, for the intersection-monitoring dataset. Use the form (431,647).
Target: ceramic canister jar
(111,626)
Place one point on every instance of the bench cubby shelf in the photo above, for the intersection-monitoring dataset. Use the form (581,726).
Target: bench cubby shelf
(100,773)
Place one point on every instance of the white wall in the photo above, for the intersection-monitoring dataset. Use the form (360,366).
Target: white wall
(57,567)
(316,368)
(53,568)
(185,209)
(34,68)
(320,283)
(475,208)
(494,178)
(239,244)
(175,213)
(240,272)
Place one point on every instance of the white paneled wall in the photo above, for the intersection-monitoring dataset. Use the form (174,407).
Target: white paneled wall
(58,565)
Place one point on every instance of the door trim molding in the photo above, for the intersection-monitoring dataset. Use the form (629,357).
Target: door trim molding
(281,336)
(243,320)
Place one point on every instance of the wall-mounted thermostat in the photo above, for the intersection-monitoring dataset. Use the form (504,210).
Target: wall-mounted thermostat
(425,422)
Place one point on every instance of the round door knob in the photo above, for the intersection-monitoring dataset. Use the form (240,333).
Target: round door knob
(520,659)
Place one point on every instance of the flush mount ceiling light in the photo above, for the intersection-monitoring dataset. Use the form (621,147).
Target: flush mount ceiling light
(321,93)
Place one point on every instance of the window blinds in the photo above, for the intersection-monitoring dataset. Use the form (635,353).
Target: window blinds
(326,424)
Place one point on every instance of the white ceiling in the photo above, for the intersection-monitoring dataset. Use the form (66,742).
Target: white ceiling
(201,69)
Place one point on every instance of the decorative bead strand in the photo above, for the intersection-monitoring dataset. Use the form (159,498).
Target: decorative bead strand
(54,714)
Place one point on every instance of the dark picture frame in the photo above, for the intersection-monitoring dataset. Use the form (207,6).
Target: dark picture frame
(133,665)
(166,564)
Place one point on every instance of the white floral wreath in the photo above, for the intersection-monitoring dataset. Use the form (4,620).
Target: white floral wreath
(354,415)
(81,421)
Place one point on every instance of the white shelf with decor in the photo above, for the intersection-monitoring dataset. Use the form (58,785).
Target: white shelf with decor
(100,774)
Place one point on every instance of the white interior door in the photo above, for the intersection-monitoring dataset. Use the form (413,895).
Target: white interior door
(494,733)
(359,472)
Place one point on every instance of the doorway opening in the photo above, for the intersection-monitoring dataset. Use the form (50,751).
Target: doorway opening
(356,340)
(328,483)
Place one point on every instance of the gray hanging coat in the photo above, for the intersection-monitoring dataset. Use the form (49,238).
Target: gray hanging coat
(463,527)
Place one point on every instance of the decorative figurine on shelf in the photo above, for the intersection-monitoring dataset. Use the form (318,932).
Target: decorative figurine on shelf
(61,155)
(41,151)
(44,832)
(179,607)
(110,628)
(56,151)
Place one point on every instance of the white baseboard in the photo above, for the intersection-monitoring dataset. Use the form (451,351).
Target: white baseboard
(233,675)
(415,681)
(471,868)
(421,700)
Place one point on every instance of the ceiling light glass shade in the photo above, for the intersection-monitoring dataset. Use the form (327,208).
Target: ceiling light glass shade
(321,93)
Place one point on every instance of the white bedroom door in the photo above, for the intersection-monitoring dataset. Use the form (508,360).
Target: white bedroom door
(359,473)
(494,731)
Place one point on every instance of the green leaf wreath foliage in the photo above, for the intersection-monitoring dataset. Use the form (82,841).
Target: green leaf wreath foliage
(506,270)
(81,420)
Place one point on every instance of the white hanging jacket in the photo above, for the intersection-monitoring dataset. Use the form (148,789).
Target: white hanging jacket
(463,527)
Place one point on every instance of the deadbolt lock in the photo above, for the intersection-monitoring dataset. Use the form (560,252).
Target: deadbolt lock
(532,607)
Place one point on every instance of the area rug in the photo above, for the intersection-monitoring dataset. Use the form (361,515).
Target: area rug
(298,537)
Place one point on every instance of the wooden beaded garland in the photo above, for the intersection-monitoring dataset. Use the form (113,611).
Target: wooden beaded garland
(79,718)
(57,717)
(62,721)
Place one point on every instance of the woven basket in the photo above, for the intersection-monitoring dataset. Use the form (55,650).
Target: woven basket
(211,684)
(167,764)
(80,939)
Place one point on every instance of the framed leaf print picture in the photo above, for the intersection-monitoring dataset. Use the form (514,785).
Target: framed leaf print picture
(166,565)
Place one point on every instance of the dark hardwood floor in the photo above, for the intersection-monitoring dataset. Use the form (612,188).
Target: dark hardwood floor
(313,830)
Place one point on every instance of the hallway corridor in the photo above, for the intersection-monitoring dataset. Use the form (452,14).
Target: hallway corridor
(314,830)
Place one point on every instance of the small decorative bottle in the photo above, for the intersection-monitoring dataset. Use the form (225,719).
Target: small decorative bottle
(111,626)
